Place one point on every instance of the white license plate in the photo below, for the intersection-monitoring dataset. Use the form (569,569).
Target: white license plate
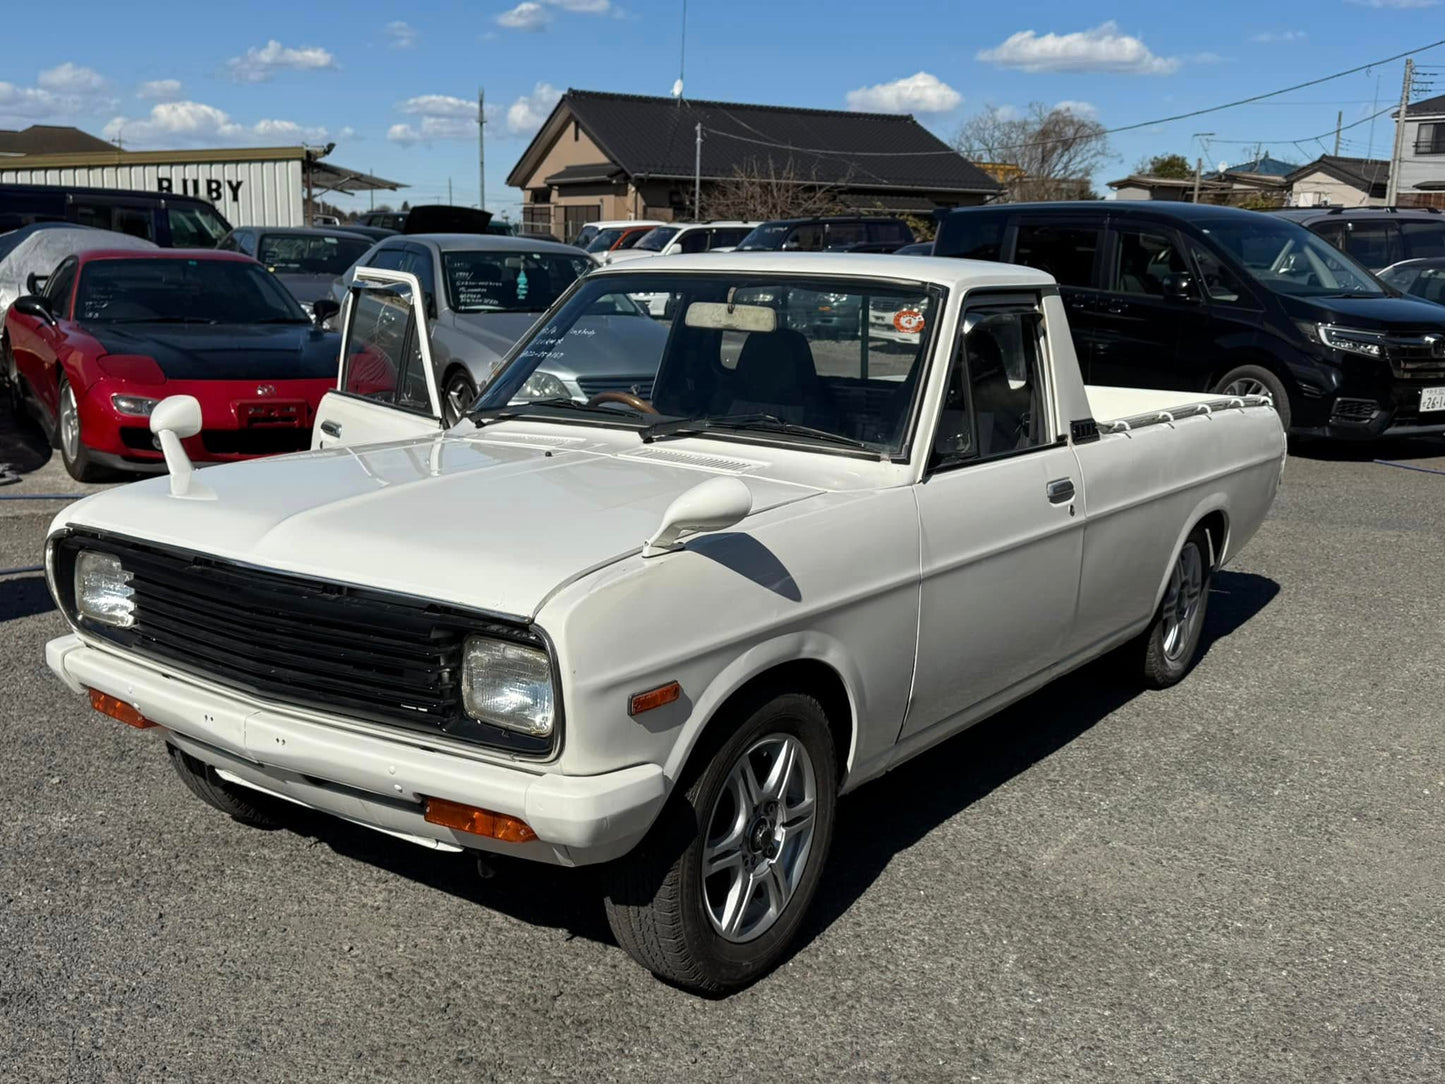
(1432,399)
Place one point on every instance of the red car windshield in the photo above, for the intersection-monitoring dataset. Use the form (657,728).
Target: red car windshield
(182,291)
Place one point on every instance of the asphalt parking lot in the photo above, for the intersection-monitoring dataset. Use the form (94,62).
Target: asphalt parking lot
(1239,879)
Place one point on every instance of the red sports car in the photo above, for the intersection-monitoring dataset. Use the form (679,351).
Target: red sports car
(116,331)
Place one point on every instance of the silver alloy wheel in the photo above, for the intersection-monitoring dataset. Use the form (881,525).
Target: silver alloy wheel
(458,397)
(758,837)
(69,425)
(1181,601)
(1247,385)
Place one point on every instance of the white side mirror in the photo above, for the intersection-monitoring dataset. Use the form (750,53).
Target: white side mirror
(175,418)
(708,506)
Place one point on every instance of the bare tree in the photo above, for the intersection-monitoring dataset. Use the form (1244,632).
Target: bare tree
(762,190)
(1044,154)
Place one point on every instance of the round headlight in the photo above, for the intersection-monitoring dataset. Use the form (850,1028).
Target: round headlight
(102,590)
(508,685)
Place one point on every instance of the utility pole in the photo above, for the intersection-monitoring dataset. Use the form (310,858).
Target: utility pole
(449,192)
(697,177)
(481,150)
(1392,186)
(1339,120)
(1198,169)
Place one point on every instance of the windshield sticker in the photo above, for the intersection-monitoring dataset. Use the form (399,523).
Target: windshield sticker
(908,321)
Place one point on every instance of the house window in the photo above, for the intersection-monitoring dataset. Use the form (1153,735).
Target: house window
(1430,139)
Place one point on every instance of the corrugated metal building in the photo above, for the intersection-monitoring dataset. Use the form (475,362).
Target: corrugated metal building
(250,186)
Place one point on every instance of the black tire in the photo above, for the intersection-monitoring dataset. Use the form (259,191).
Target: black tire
(1249,380)
(240,803)
(79,464)
(1167,660)
(655,900)
(458,393)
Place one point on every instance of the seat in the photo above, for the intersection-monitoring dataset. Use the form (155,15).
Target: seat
(776,375)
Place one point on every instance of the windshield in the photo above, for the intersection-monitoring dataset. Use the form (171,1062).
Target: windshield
(1288,259)
(765,237)
(509,281)
(604,240)
(302,254)
(834,364)
(656,239)
(196,227)
(203,291)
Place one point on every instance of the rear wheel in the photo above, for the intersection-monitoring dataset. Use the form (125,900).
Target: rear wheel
(714,894)
(1257,380)
(70,440)
(247,806)
(457,396)
(1171,644)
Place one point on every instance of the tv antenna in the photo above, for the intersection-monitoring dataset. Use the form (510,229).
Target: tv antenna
(682,56)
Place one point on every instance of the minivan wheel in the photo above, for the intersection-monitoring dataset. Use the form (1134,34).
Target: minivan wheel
(712,896)
(1257,380)
(458,394)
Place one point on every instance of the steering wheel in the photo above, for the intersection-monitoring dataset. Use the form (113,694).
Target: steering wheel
(623,397)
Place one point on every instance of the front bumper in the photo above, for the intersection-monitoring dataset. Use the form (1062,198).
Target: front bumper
(372,780)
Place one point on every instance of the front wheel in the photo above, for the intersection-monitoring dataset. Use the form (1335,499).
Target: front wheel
(73,452)
(1171,643)
(714,894)
(458,395)
(239,803)
(1257,380)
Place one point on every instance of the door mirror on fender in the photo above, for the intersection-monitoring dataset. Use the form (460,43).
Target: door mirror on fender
(1179,286)
(323,309)
(35,306)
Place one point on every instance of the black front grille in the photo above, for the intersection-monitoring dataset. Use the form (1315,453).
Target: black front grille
(1355,410)
(1417,356)
(255,441)
(293,640)
(640,386)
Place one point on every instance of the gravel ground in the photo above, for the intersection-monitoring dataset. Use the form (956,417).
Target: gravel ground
(1239,879)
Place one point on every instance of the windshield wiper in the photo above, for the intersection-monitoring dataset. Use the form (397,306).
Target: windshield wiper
(766,423)
(518,410)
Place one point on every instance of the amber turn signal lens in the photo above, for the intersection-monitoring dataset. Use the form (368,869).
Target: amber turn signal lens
(118,709)
(654,698)
(481,822)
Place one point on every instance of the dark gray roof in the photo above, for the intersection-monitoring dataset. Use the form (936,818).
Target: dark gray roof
(587,173)
(656,137)
(50,139)
(1428,106)
(1366,174)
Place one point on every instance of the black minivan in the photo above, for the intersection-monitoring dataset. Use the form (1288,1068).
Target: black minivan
(169,219)
(1202,298)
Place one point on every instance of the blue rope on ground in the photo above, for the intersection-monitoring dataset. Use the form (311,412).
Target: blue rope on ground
(1387,463)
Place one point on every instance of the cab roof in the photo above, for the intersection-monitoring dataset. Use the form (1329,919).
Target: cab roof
(938,270)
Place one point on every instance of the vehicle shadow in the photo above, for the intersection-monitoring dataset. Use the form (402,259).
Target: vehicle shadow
(883,818)
(23,447)
(24,597)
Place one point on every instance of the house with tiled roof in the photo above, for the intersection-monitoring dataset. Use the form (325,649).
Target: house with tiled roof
(624,156)
(1333,181)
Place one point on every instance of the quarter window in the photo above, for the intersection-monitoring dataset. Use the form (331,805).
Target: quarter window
(1220,283)
(383,356)
(1066,252)
(1143,259)
(1423,238)
(994,402)
(1372,243)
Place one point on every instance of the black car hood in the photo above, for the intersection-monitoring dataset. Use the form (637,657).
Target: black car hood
(226,351)
(307,288)
(1371,313)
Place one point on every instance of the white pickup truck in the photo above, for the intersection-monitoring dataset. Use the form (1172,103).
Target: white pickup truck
(665,628)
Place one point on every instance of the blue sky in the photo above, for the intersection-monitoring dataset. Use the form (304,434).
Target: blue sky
(391,84)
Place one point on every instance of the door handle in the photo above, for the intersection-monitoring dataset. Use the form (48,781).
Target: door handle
(1060,490)
(331,429)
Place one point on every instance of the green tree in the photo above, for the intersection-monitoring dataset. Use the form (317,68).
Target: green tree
(1175,166)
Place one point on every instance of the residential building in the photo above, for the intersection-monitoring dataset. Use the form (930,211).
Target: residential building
(1332,181)
(1422,162)
(623,156)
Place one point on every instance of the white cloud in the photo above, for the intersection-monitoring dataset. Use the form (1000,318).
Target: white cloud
(920,93)
(1398,5)
(526,114)
(1078,109)
(160,90)
(179,124)
(438,105)
(1101,49)
(257,65)
(400,35)
(526,16)
(71,78)
(1271,37)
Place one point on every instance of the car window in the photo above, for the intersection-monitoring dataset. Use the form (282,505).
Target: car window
(136,222)
(1421,239)
(693,241)
(1285,258)
(307,254)
(57,289)
(889,233)
(729,237)
(1143,258)
(508,281)
(195,227)
(1374,244)
(603,240)
(843,234)
(1064,251)
(1430,285)
(383,357)
(418,261)
(631,237)
(971,236)
(88,213)
(1220,283)
(216,290)
(806,238)
(388,258)
(655,240)
(995,400)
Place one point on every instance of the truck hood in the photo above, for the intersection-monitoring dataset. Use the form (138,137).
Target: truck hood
(476,521)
